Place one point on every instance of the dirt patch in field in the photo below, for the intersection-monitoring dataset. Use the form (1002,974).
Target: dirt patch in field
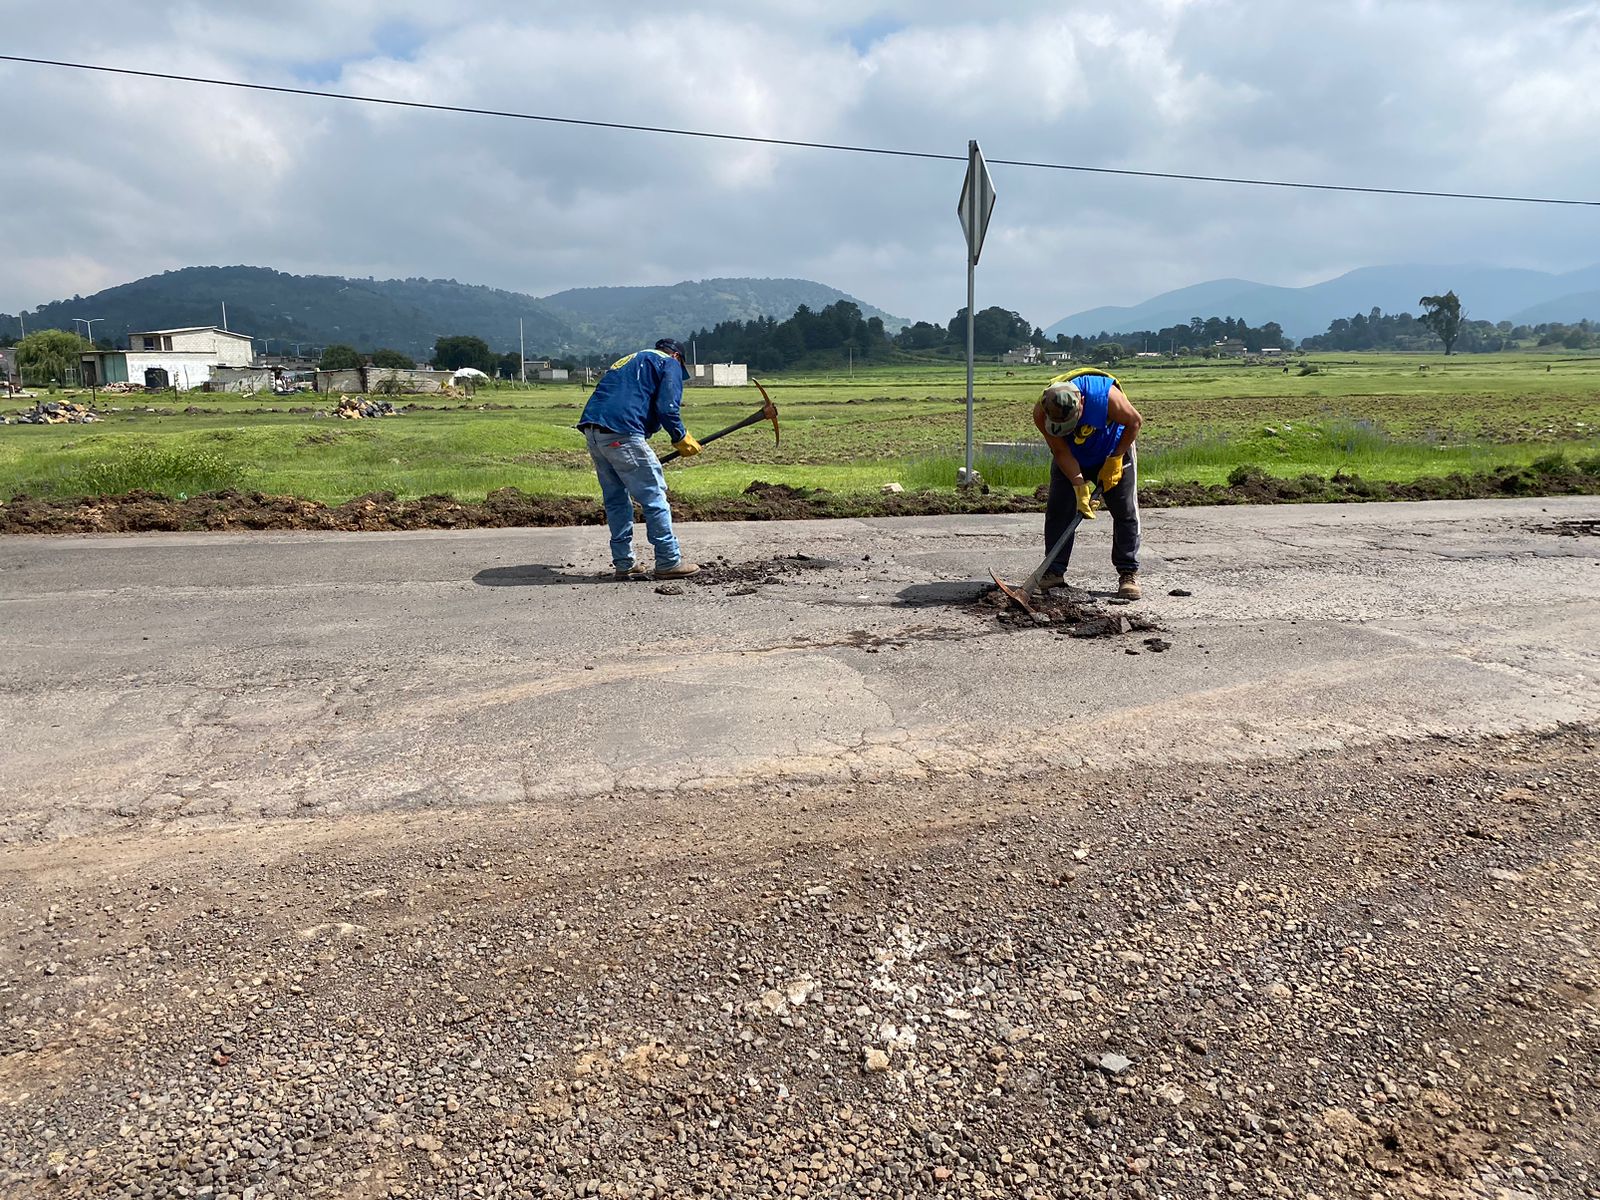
(144,512)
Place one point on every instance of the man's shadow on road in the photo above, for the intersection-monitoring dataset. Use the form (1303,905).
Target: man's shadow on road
(535,575)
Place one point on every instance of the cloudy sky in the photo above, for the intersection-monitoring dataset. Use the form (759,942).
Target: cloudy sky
(109,178)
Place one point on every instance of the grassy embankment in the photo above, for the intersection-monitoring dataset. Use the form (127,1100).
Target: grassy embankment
(1390,418)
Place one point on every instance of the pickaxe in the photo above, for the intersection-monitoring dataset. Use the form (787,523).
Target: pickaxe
(767,412)
(1023,594)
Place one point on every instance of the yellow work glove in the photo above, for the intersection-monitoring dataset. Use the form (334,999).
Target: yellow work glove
(687,446)
(1082,491)
(1111,473)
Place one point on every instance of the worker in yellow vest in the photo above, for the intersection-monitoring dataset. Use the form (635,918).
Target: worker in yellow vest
(1091,428)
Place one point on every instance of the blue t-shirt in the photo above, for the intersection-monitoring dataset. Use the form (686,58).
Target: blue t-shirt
(1097,436)
(639,395)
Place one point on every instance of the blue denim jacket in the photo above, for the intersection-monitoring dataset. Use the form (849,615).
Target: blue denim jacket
(639,395)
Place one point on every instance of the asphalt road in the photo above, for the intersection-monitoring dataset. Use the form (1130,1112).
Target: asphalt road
(173,681)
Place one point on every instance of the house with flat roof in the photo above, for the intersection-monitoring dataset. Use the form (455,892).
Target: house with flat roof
(168,358)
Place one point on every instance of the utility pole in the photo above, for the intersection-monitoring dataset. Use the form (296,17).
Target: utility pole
(522,353)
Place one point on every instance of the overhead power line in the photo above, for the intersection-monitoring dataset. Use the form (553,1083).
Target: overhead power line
(711,135)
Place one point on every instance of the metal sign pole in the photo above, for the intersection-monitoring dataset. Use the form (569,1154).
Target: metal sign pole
(971,274)
(977,203)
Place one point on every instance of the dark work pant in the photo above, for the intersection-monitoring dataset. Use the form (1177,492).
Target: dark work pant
(1122,502)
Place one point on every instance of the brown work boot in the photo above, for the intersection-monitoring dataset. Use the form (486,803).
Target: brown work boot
(632,574)
(679,571)
(1050,579)
(1128,585)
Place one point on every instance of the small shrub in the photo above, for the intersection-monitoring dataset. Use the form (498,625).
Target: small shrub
(142,466)
(1552,464)
(1310,369)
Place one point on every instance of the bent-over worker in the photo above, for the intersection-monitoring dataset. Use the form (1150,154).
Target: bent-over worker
(639,395)
(1090,428)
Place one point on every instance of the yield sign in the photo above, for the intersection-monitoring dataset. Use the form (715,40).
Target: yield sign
(977,202)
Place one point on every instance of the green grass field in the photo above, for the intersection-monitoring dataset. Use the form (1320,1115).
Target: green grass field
(1385,416)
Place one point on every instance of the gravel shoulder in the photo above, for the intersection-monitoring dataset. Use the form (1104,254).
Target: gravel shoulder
(1350,973)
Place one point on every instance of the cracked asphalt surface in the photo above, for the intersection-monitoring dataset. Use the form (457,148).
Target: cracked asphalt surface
(431,864)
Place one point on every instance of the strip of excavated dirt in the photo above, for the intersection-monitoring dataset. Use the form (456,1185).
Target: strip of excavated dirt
(148,512)
(1346,975)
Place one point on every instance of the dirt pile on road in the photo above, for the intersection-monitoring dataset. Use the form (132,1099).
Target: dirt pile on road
(1072,613)
(1574,527)
(142,512)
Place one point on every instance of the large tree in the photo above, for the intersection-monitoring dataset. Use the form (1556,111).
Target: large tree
(339,357)
(463,350)
(1442,314)
(392,358)
(46,356)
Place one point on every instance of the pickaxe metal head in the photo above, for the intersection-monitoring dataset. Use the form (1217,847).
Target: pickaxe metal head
(769,410)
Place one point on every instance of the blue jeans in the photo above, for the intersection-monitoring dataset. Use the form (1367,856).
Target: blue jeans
(629,470)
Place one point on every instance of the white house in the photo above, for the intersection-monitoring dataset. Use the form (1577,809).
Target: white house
(163,358)
(220,346)
(1022,356)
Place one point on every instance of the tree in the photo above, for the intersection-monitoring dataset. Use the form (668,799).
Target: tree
(49,354)
(393,358)
(339,358)
(1107,352)
(1442,314)
(463,350)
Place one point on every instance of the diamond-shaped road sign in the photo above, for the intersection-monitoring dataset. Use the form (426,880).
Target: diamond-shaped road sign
(977,202)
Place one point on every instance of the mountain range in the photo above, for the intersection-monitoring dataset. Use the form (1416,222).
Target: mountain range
(1487,294)
(411,314)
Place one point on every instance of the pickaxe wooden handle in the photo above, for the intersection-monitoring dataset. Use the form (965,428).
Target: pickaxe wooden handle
(767,412)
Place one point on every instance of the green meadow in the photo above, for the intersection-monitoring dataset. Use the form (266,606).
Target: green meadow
(1386,417)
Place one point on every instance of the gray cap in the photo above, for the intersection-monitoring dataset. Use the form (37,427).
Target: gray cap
(1063,405)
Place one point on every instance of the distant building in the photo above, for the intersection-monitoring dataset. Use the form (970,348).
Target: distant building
(1229,348)
(1022,356)
(552,374)
(719,375)
(168,358)
(1056,357)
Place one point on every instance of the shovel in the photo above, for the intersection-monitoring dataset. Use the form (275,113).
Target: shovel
(1023,594)
(767,412)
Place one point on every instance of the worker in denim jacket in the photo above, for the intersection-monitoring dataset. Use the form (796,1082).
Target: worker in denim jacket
(638,396)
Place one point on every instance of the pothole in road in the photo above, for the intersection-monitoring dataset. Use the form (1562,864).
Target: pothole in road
(747,575)
(1572,527)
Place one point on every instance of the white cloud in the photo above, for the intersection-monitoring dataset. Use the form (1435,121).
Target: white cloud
(112,178)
